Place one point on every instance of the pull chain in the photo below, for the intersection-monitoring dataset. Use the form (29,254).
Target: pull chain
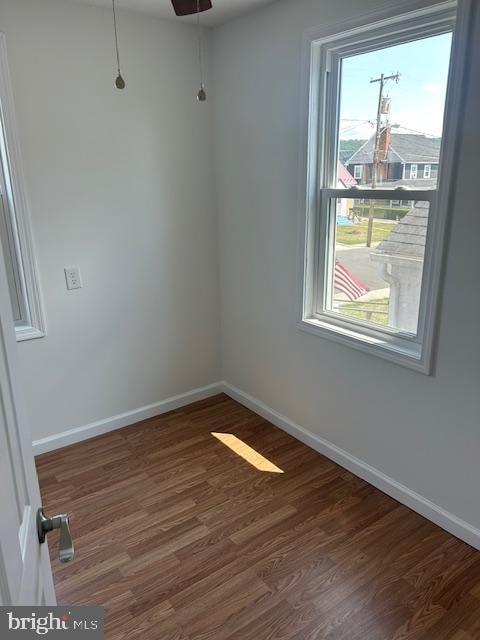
(119,81)
(201,95)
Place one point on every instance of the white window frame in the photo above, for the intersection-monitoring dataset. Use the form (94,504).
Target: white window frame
(400,21)
(427,171)
(33,323)
(413,171)
(358,175)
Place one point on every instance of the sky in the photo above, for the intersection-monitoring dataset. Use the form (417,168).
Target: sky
(418,99)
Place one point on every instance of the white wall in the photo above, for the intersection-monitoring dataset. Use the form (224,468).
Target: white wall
(421,431)
(120,184)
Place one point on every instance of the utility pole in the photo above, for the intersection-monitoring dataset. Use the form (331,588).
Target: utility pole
(383,79)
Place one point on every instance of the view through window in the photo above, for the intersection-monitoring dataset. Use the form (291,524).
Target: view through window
(15,230)
(10,240)
(392,103)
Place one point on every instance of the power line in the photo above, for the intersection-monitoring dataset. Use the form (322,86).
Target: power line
(346,129)
(423,133)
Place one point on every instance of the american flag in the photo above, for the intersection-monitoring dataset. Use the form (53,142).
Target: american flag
(346,283)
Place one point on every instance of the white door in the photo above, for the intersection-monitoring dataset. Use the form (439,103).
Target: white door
(25,572)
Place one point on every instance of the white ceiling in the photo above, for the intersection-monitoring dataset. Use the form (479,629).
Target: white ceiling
(222,11)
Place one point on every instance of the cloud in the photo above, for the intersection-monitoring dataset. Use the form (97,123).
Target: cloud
(434,88)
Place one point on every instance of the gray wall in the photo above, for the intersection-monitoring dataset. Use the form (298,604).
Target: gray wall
(422,431)
(120,185)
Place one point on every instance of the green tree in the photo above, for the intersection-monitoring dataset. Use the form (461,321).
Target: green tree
(348,148)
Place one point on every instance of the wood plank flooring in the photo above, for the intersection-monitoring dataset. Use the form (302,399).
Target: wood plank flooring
(182,539)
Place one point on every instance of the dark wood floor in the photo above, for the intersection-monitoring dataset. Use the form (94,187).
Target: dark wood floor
(181,539)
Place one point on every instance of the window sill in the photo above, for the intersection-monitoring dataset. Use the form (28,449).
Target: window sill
(28,333)
(397,350)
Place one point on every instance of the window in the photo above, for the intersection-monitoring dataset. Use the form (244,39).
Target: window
(371,279)
(15,234)
(427,171)
(358,172)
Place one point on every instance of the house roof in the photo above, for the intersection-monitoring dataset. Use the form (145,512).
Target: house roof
(404,148)
(410,183)
(345,177)
(408,237)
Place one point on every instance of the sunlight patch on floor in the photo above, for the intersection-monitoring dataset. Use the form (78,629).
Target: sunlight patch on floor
(247,453)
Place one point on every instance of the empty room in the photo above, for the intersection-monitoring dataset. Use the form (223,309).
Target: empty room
(239,319)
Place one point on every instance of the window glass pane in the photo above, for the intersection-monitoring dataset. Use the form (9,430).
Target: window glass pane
(392,103)
(11,263)
(9,239)
(378,260)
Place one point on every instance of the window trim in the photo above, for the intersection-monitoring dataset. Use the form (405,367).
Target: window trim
(426,177)
(315,112)
(360,167)
(36,327)
(413,172)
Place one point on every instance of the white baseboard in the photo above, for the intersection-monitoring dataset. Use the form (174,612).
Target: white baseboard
(448,521)
(123,419)
(444,519)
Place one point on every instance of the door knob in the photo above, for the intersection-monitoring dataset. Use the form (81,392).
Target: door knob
(66,552)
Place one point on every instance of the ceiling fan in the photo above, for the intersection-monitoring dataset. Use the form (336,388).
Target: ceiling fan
(189,7)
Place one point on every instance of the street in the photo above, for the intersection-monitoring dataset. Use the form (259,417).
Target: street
(357,261)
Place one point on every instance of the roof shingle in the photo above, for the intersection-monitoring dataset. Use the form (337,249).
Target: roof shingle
(404,147)
(409,236)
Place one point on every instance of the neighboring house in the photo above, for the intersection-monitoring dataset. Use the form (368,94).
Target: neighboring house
(403,156)
(401,256)
(345,180)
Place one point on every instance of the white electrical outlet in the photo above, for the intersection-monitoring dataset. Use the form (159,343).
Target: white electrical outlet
(73,278)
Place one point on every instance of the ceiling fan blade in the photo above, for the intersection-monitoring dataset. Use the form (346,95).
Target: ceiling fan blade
(188,7)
